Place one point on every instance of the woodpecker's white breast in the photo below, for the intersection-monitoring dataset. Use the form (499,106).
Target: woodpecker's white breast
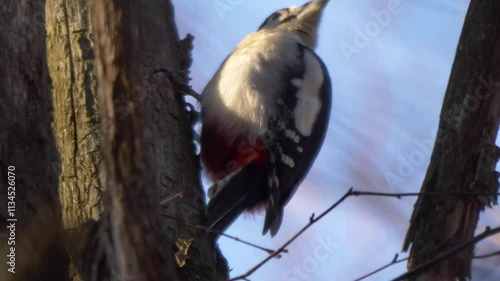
(241,95)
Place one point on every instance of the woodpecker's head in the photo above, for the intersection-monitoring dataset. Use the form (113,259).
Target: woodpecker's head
(303,21)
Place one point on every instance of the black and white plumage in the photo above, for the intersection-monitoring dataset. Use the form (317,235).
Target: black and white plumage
(264,117)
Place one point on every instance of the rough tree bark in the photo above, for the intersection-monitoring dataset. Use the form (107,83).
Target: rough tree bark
(148,150)
(170,143)
(28,145)
(70,57)
(148,146)
(464,155)
(168,138)
(135,247)
(71,62)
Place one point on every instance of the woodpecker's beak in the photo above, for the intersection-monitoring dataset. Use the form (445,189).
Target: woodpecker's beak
(313,8)
(321,3)
(310,16)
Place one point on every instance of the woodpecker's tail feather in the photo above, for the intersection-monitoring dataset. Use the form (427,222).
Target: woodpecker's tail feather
(238,193)
(274,208)
(273,221)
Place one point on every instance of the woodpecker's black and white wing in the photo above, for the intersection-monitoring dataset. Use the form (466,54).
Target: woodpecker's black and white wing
(300,124)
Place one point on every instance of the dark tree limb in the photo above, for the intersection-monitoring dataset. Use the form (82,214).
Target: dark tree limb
(464,155)
(169,140)
(148,148)
(131,232)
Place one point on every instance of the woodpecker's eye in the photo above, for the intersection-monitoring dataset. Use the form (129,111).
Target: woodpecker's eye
(275,16)
(274,19)
(279,14)
(279,17)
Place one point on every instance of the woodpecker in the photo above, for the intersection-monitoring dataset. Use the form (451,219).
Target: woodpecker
(264,117)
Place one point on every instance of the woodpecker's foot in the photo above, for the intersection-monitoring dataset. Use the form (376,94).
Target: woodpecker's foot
(194,118)
(193,94)
(180,81)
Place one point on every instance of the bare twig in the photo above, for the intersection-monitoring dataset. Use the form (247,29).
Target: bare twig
(204,228)
(393,262)
(352,192)
(396,261)
(413,194)
(495,253)
(177,195)
(312,220)
(425,266)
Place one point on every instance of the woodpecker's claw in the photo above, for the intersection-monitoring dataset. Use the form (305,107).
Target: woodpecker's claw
(179,80)
(193,94)
(194,118)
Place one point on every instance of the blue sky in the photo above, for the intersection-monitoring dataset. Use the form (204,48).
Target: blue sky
(389,64)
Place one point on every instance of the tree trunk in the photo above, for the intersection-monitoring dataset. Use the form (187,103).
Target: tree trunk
(167,143)
(135,246)
(465,155)
(29,167)
(169,140)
